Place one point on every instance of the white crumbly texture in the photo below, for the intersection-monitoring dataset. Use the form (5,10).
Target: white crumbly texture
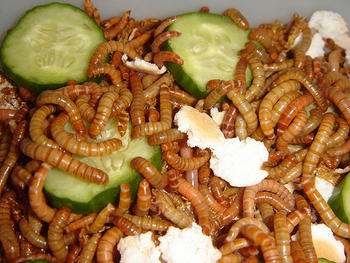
(324,187)
(187,245)
(316,48)
(202,131)
(239,162)
(217,116)
(290,186)
(326,246)
(329,24)
(138,249)
(143,66)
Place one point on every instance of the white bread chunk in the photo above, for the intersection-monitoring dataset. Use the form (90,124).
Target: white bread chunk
(202,131)
(326,246)
(143,66)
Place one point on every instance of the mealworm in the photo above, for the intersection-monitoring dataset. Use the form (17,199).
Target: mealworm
(33,237)
(53,97)
(88,251)
(105,68)
(292,173)
(112,46)
(92,11)
(292,110)
(166,136)
(297,27)
(126,226)
(8,237)
(122,122)
(280,170)
(265,185)
(161,38)
(114,30)
(153,90)
(244,108)
(124,200)
(278,66)
(237,18)
(191,176)
(228,123)
(69,142)
(86,111)
(80,223)
(234,245)
(294,218)
(4,144)
(167,56)
(267,214)
(274,200)
(291,132)
(149,171)
(240,74)
(181,95)
(105,247)
(6,114)
(13,153)
(55,234)
(36,257)
(297,252)
(165,122)
(73,91)
(297,74)
(340,135)
(300,50)
(258,79)
(274,158)
(63,161)
(149,223)
(101,218)
(137,106)
(165,23)
(182,164)
(282,237)
(215,94)
(167,208)
(143,200)
(198,201)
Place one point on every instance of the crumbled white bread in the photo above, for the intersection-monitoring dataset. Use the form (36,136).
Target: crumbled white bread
(326,246)
(217,116)
(8,95)
(187,245)
(138,249)
(324,187)
(316,48)
(143,66)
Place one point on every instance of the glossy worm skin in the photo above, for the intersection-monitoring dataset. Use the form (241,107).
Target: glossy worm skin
(36,196)
(244,108)
(34,257)
(228,123)
(34,238)
(80,223)
(262,37)
(265,185)
(55,234)
(4,144)
(92,11)
(291,111)
(124,200)
(105,247)
(73,91)
(303,139)
(270,198)
(237,226)
(292,173)
(266,243)
(126,226)
(111,46)
(165,23)
(87,112)
(69,142)
(191,176)
(237,18)
(340,135)
(198,202)
(280,170)
(148,223)
(165,122)
(234,245)
(122,122)
(63,161)
(183,164)
(266,106)
(114,30)
(258,78)
(141,40)
(20,177)
(153,90)
(101,218)
(253,50)
(6,114)
(13,153)
(88,252)
(167,56)
(291,132)
(297,74)
(161,38)
(53,97)
(297,27)
(278,66)
(214,95)
(210,200)
(36,129)
(8,238)
(240,74)
(274,158)
(297,252)
(294,218)
(143,200)
(166,136)
(149,171)
(300,50)
(138,103)
(103,113)
(282,237)
(181,95)
(167,208)
(105,68)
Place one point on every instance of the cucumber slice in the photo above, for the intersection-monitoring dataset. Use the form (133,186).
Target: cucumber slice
(50,45)
(324,260)
(63,189)
(209,45)
(339,202)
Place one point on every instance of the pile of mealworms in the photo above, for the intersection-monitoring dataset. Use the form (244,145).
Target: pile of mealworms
(285,107)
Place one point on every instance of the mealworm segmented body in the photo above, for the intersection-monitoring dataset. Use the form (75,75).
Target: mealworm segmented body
(161,38)
(114,30)
(237,18)
(53,97)
(63,161)
(33,237)
(105,68)
(104,252)
(101,218)
(92,11)
(148,223)
(69,142)
(167,56)
(143,201)
(183,164)
(270,198)
(169,135)
(126,226)
(124,200)
(282,237)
